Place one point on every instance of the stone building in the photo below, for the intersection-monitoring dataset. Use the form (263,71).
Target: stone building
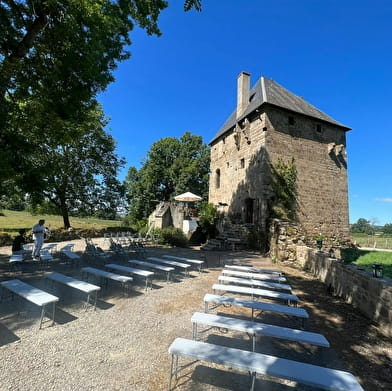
(270,124)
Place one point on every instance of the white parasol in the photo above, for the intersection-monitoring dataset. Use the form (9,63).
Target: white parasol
(188,197)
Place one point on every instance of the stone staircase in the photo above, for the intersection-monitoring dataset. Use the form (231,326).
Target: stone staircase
(234,237)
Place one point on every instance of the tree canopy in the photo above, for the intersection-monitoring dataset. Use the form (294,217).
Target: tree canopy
(362,226)
(173,166)
(55,56)
(79,176)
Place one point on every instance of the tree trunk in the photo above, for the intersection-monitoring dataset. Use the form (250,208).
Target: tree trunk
(64,213)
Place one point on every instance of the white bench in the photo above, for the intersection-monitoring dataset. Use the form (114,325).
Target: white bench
(255,306)
(149,265)
(254,276)
(252,269)
(256,292)
(255,283)
(123,280)
(184,266)
(262,364)
(198,263)
(256,328)
(76,284)
(147,275)
(70,256)
(68,247)
(51,247)
(32,294)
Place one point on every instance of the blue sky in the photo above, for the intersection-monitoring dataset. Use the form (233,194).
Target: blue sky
(335,54)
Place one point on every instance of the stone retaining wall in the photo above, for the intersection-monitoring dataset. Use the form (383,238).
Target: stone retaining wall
(372,296)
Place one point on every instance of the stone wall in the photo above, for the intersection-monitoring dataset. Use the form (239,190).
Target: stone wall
(241,175)
(372,296)
(318,150)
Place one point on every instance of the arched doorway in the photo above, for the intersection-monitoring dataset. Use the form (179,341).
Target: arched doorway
(249,207)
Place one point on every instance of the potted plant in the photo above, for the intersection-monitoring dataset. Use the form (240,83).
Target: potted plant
(319,237)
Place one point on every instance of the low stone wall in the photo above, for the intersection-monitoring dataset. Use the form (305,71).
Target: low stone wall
(372,296)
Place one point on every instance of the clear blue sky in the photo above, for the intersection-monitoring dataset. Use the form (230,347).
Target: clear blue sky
(336,54)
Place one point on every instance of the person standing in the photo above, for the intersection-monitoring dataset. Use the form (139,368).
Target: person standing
(38,236)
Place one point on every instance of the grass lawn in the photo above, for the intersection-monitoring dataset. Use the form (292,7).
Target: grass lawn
(366,259)
(12,221)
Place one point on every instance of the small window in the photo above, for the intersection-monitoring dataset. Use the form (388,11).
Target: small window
(227,164)
(291,120)
(242,164)
(318,128)
(217,178)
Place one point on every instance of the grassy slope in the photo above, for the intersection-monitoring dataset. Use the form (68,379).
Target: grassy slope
(12,221)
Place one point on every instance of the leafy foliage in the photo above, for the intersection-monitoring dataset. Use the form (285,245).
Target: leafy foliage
(362,226)
(284,183)
(208,216)
(79,176)
(172,167)
(171,236)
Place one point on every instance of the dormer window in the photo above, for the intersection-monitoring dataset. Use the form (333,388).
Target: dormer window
(291,120)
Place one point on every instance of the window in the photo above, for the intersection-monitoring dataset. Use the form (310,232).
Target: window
(318,128)
(291,120)
(217,178)
(242,164)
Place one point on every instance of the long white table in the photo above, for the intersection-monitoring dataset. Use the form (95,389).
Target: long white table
(155,266)
(256,292)
(263,364)
(254,305)
(255,328)
(198,263)
(255,283)
(146,274)
(32,294)
(103,274)
(79,285)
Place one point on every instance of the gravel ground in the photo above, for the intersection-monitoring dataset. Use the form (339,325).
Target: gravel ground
(123,344)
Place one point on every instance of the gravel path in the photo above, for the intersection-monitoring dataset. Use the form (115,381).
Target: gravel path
(123,344)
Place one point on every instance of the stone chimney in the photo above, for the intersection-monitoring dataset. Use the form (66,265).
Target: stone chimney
(243,87)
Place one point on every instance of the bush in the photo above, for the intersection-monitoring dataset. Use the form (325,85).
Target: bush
(5,239)
(350,254)
(171,236)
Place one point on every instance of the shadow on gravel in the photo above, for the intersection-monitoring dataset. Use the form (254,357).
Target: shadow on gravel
(230,379)
(7,336)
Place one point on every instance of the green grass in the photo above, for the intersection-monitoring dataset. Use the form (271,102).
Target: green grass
(11,221)
(366,259)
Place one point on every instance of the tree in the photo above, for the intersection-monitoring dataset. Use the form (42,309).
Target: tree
(78,176)
(62,53)
(387,229)
(362,226)
(172,167)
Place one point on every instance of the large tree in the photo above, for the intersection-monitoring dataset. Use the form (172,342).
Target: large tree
(60,53)
(79,176)
(172,167)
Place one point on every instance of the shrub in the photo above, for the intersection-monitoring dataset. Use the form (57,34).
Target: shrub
(5,239)
(171,236)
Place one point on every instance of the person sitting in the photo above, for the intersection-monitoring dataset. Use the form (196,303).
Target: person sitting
(19,241)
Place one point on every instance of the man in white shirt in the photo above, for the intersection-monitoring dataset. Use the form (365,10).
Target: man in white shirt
(38,236)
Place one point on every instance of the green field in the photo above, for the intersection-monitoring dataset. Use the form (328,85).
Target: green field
(366,259)
(11,221)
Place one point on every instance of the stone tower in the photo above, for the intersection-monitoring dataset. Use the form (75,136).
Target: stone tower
(269,124)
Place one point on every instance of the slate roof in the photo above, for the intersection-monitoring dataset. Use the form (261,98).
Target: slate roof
(267,91)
